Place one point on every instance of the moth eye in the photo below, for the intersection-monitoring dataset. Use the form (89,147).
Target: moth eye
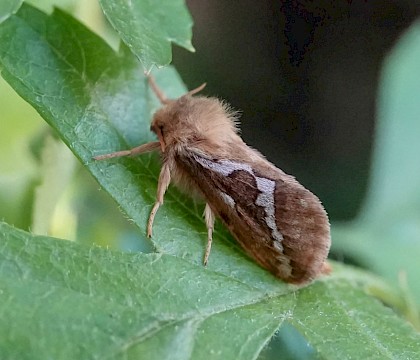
(155,128)
(161,129)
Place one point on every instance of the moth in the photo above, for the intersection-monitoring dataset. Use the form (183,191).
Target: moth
(277,221)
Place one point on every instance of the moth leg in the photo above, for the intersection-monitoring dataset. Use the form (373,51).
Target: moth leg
(209,217)
(326,268)
(154,145)
(163,183)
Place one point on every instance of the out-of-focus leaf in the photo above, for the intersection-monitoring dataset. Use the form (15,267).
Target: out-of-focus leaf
(8,8)
(57,169)
(386,235)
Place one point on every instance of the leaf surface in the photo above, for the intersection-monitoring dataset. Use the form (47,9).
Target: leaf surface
(148,28)
(64,300)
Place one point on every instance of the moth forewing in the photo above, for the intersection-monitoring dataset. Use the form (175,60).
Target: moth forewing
(278,222)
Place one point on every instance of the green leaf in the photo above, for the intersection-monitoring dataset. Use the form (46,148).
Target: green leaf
(63,300)
(338,320)
(83,302)
(395,182)
(148,28)
(8,8)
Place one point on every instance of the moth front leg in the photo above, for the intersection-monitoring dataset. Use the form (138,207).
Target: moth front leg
(163,183)
(151,146)
(209,217)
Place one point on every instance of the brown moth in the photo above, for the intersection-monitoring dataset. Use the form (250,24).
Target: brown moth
(278,222)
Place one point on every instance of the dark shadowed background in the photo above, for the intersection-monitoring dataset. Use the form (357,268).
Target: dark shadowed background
(305,76)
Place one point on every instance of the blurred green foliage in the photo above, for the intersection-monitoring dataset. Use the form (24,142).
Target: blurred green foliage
(385,237)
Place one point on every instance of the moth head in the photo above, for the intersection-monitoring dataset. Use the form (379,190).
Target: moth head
(191,119)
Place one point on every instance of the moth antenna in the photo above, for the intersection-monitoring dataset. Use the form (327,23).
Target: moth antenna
(196,90)
(159,93)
